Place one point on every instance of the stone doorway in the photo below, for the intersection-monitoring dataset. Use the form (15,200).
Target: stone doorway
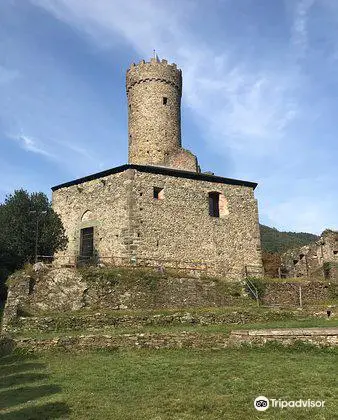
(87,242)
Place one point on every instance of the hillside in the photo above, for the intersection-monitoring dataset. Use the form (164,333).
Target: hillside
(275,241)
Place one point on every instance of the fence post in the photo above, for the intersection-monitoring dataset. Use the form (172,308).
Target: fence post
(300,297)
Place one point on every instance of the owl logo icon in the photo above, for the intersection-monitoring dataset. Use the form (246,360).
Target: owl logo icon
(261,403)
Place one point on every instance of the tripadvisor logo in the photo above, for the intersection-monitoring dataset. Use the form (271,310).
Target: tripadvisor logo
(262,403)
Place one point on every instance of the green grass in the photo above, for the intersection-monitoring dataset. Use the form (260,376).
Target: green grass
(166,384)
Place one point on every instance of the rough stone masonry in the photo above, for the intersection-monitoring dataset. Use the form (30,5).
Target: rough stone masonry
(160,209)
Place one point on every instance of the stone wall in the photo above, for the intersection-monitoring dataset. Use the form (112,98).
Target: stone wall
(112,320)
(103,204)
(310,260)
(68,289)
(37,299)
(129,223)
(289,336)
(228,243)
(296,293)
(321,337)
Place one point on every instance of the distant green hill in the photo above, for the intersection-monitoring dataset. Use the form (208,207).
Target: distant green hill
(275,241)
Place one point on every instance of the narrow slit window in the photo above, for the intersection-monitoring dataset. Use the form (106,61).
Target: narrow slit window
(214,204)
(165,100)
(158,193)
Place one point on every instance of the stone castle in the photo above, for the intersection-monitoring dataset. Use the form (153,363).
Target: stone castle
(160,209)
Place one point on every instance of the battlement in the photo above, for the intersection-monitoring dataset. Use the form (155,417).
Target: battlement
(154,70)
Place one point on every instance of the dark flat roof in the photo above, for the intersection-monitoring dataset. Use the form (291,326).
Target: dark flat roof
(159,170)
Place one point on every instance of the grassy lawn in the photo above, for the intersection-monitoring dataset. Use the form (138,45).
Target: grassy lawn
(166,384)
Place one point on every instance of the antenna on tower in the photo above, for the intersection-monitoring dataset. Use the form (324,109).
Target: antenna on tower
(156,56)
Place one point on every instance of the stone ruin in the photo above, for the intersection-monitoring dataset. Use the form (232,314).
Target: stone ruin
(317,259)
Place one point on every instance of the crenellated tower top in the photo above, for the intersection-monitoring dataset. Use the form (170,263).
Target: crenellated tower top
(154,70)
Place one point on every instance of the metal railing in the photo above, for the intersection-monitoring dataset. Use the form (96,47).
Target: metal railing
(253,290)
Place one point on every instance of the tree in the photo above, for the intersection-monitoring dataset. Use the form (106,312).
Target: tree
(19,215)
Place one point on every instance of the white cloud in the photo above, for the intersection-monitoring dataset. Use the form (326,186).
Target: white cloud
(240,107)
(30,144)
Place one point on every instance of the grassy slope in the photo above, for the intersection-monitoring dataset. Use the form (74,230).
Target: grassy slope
(166,385)
(276,241)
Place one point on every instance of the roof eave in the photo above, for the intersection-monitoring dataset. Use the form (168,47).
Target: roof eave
(158,170)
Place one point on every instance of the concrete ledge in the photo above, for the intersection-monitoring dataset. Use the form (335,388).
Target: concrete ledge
(286,332)
(287,336)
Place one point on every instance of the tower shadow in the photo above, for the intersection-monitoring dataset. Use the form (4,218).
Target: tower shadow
(23,382)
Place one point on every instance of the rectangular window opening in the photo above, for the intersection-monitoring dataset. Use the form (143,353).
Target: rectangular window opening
(158,193)
(165,100)
(214,204)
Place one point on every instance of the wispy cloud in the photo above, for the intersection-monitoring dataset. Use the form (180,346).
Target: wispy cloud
(240,106)
(300,26)
(30,144)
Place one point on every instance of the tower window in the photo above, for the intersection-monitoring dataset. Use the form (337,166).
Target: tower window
(165,100)
(214,204)
(158,193)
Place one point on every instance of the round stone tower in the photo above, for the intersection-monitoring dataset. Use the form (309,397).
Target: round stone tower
(154,91)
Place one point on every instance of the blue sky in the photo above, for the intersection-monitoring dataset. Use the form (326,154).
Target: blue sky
(260,93)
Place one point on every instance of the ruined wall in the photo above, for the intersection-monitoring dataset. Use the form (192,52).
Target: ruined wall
(320,337)
(299,293)
(312,259)
(154,92)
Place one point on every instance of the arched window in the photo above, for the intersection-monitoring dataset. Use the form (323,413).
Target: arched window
(87,215)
